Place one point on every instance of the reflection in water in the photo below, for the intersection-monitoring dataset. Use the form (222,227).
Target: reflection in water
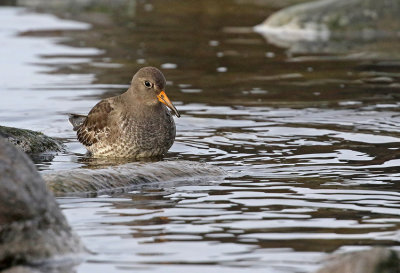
(310,142)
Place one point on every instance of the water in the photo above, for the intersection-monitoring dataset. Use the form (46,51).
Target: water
(310,142)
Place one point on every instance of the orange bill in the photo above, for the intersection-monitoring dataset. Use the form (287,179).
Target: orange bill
(164,99)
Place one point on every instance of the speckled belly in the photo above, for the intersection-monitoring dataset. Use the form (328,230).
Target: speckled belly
(137,139)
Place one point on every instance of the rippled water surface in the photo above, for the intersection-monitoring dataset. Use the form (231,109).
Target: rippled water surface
(310,143)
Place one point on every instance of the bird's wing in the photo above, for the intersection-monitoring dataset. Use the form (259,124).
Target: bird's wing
(97,124)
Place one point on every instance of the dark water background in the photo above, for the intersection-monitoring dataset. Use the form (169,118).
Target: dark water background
(310,142)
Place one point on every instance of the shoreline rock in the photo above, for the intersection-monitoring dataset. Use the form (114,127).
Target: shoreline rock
(335,26)
(33,231)
(31,142)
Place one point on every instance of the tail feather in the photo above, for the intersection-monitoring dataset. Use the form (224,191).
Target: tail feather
(76,120)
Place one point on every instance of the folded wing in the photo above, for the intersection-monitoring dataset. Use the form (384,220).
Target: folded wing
(96,126)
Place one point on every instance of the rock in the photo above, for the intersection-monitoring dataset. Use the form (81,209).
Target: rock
(32,228)
(336,26)
(123,177)
(30,141)
(359,18)
(375,260)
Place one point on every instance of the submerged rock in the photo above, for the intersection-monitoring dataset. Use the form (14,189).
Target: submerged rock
(124,177)
(335,26)
(375,260)
(30,141)
(32,228)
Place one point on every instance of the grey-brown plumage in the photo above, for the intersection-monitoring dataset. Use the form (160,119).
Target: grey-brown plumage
(134,124)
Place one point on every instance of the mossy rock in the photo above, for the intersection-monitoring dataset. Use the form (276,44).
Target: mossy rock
(31,142)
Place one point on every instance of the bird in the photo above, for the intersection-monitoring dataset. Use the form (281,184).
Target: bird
(135,124)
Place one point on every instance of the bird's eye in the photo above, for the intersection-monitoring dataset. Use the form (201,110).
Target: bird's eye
(147,84)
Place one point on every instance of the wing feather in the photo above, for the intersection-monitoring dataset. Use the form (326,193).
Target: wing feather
(97,124)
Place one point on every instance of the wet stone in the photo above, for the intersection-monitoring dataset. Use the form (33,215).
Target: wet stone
(34,230)
(359,17)
(122,178)
(330,26)
(31,142)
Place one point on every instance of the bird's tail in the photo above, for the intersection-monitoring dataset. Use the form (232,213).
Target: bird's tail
(76,120)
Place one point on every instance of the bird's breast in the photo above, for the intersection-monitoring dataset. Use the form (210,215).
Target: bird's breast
(146,132)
